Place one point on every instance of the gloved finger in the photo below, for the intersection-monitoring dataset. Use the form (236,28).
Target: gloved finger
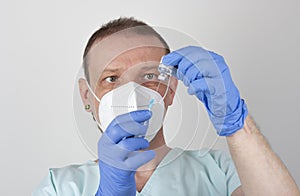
(172,59)
(192,53)
(117,156)
(198,86)
(183,66)
(188,72)
(210,86)
(117,132)
(193,74)
(137,159)
(133,144)
(219,61)
(137,116)
(127,125)
(184,78)
(134,128)
(206,67)
(108,150)
(179,75)
(209,63)
(181,61)
(175,60)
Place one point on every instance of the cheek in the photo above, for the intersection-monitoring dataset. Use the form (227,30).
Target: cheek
(94,108)
(168,95)
(169,98)
(96,104)
(162,90)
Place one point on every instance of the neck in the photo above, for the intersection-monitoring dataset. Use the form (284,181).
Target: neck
(144,172)
(158,144)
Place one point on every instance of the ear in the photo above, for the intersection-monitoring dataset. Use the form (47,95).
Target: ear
(83,88)
(172,90)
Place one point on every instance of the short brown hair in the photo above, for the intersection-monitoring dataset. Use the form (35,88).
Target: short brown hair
(115,26)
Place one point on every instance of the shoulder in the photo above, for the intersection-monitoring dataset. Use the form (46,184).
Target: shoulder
(74,170)
(219,157)
(221,161)
(70,180)
(212,170)
(208,160)
(216,162)
(212,158)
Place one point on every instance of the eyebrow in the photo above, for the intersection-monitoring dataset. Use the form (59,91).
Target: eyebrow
(149,67)
(142,68)
(110,70)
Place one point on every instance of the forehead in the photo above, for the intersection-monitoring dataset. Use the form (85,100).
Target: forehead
(137,56)
(122,52)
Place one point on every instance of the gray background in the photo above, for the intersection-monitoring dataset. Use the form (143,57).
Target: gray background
(41,47)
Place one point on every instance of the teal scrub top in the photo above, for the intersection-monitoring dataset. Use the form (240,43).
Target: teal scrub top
(179,173)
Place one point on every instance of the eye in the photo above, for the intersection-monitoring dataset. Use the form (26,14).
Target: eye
(111,79)
(150,76)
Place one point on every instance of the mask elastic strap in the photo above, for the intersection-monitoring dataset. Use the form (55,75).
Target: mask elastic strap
(166,92)
(90,89)
(99,126)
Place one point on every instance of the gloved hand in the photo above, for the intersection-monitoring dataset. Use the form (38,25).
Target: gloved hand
(207,76)
(119,153)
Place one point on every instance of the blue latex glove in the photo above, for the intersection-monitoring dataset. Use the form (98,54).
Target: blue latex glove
(207,76)
(119,153)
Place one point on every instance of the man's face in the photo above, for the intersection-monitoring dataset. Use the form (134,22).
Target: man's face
(119,59)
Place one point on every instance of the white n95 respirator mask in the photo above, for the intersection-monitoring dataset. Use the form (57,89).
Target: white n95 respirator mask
(131,97)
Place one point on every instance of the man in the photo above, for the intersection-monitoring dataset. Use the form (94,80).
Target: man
(122,57)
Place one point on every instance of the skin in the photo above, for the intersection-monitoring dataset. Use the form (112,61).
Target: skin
(261,172)
(124,63)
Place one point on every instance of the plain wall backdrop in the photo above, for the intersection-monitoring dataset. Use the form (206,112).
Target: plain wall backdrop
(41,46)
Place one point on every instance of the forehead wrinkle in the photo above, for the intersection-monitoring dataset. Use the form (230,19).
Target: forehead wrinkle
(126,59)
(121,63)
